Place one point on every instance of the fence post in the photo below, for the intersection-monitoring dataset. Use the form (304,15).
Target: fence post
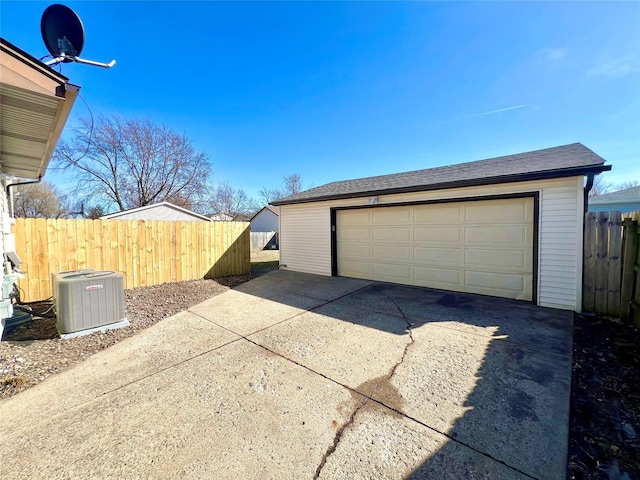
(589,263)
(614,279)
(630,249)
(601,263)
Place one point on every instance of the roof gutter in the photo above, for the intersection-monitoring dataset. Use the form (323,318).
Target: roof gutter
(7,192)
(69,93)
(526,177)
(587,189)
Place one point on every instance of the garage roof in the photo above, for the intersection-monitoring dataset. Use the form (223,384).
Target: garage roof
(557,162)
(36,102)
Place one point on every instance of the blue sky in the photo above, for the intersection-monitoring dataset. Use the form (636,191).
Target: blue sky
(335,90)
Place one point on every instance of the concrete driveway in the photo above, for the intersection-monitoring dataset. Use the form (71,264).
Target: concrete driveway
(295,376)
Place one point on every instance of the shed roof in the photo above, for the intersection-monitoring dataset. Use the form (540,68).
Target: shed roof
(272,209)
(156,211)
(556,162)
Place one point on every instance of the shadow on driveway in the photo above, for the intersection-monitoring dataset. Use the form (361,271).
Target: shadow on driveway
(296,376)
(492,375)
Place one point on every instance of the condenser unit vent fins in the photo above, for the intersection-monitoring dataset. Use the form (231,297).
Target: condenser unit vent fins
(88,301)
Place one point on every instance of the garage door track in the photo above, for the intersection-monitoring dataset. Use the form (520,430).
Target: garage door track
(302,376)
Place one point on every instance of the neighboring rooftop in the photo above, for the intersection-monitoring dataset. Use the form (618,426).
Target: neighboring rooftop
(272,209)
(242,217)
(628,194)
(557,162)
(157,211)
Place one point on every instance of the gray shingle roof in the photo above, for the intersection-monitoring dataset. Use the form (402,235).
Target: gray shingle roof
(627,195)
(556,162)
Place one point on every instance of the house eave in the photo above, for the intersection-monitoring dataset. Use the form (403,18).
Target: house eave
(36,104)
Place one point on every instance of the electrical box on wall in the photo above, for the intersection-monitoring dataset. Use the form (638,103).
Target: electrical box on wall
(88,301)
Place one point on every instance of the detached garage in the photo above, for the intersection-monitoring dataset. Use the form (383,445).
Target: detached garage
(508,226)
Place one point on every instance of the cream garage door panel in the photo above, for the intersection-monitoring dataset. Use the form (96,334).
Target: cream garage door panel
(481,247)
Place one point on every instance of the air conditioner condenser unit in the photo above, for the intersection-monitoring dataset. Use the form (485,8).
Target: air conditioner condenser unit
(88,301)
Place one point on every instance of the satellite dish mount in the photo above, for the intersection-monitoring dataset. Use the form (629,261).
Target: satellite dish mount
(63,35)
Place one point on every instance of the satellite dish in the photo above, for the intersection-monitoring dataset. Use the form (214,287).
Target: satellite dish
(62,32)
(63,35)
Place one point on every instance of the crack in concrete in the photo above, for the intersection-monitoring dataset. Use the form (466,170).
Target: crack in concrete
(338,437)
(367,398)
(340,432)
(409,331)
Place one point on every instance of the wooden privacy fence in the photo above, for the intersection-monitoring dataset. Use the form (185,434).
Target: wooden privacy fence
(610,280)
(264,240)
(145,252)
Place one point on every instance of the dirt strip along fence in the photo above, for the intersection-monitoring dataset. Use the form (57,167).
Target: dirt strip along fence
(611,270)
(145,252)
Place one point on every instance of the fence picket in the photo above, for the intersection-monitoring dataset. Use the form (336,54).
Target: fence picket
(602,250)
(610,284)
(614,278)
(589,263)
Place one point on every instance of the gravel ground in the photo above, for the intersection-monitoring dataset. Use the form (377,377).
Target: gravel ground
(604,440)
(33,351)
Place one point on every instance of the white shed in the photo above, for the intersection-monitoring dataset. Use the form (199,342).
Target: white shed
(509,227)
(266,220)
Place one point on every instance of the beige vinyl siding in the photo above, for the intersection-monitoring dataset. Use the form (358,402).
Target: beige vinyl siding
(305,240)
(560,274)
(307,228)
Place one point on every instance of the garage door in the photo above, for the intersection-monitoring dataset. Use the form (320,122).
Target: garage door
(483,247)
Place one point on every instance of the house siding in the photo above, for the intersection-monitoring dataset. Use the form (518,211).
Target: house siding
(305,236)
(624,207)
(265,221)
(560,244)
(5,220)
(307,228)
(7,243)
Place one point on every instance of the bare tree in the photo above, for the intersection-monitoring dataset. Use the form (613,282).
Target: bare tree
(38,200)
(268,195)
(133,163)
(625,185)
(599,187)
(231,201)
(291,184)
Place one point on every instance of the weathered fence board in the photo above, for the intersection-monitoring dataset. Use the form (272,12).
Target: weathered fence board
(589,264)
(602,254)
(611,254)
(614,279)
(630,291)
(261,240)
(145,252)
